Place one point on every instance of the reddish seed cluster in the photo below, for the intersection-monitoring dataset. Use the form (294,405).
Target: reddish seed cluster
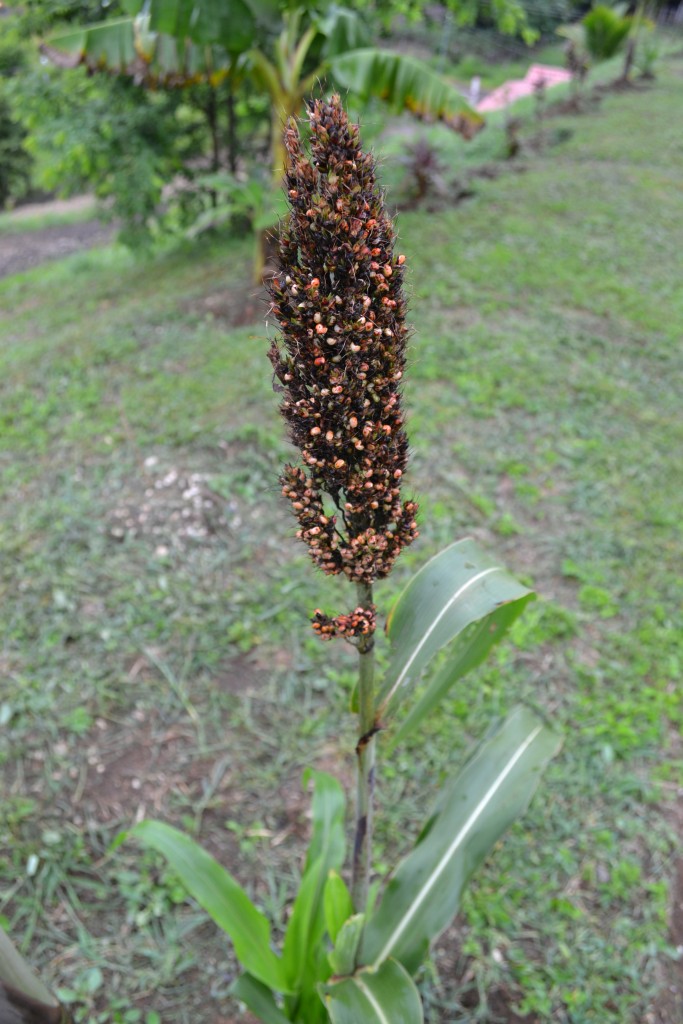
(361,622)
(339,301)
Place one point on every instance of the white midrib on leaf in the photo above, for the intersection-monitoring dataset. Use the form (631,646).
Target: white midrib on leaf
(373,1002)
(406,668)
(440,867)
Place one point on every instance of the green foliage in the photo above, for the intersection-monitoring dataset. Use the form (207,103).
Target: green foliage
(15,162)
(39,16)
(371,960)
(112,135)
(384,994)
(177,44)
(605,32)
(228,200)
(546,16)
(459,598)
(471,813)
(221,896)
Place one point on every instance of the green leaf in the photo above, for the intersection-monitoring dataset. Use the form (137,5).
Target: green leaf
(259,999)
(342,959)
(109,44)
(405,83)
(303,953)
(343,30)
(472,813)
(383,996)
(470,650)
(337,904)
(226,23)
(127,46)
(458,587)
(606,31)
(16,973)
(328,809)
(221,897)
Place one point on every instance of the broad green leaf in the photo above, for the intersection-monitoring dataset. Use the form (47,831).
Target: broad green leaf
(109,44)
(303,953)
(226,23)
(470,650)
(16,973)
(259,999)
(458,587)
(337,904)
(405,83)
(606,31)
(222,898)
(342,959)
(343,30)
(383,996)
(472,813)
(127,46)
(328,809)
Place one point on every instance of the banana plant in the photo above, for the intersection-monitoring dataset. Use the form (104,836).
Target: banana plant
(176,43)
(599,36)
(338,300)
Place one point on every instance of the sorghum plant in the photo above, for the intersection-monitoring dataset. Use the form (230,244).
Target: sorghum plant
(340,305)
(338,299)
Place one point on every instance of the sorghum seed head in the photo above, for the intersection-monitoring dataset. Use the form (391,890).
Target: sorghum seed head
(337,247)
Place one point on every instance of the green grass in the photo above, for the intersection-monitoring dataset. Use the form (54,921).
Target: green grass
(20,220)
(155,656)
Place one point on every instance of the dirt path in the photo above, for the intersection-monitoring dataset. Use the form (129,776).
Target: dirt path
(28,249)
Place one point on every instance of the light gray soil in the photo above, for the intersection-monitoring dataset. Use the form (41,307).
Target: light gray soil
(27,249)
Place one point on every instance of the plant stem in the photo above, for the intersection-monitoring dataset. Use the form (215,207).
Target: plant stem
(365,753)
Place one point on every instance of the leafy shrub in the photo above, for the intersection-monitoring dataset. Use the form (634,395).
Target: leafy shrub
(128,141)
(545,17)
(15,162)
(605,32)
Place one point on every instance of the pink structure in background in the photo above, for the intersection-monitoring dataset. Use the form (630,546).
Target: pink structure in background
(538,75)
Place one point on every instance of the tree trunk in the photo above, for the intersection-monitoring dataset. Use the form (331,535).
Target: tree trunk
(266,238)
(232,129)
(628,60)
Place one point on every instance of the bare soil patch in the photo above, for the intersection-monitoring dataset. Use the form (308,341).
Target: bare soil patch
(28,249)
(231,307)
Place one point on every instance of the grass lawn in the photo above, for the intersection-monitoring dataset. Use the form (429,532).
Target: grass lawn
(155,658)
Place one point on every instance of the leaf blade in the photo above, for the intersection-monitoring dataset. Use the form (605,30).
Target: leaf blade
(337,904)
(221,897)
(384,996)
(471,649)
(472,813)
(406,84)
(458,587)
(306,925)
(259,999)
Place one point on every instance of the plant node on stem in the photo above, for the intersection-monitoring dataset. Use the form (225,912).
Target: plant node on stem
(365,753)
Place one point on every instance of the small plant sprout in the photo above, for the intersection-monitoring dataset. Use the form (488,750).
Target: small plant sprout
(340,360)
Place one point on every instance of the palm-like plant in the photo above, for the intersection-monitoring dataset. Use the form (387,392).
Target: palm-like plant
(284,51)
(167,43)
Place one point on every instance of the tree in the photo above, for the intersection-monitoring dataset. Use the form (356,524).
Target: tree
(283,51)
(15,161)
